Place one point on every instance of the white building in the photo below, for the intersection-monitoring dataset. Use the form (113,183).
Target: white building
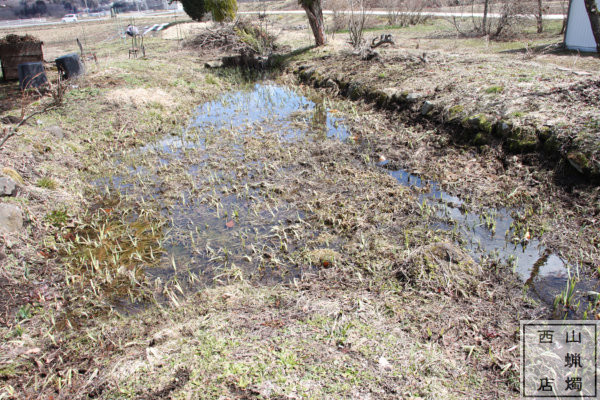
(578,35)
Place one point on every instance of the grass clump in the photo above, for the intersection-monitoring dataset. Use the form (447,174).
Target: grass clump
(441,266)
(57,217)
(494,89)
(323,257)
(46,183)
(107,253)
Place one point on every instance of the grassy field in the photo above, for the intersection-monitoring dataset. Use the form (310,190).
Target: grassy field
(194,232)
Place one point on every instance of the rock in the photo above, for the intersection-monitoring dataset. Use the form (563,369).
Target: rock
(355,91)
(480,139)
(455,112)
(473,121)
(384,364)
(578,160)
(503,129)
(379,97)
(592,296)
(426,108)
(213,64)
(412,97)
(11,218)
(552,146)
(8,187)
(522,139)
(330,83)
(56,131)
(392,93)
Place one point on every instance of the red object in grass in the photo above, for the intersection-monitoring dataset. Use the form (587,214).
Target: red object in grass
(230,224)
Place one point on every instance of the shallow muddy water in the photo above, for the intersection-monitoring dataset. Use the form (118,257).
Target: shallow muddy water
(223,226)
(493,235)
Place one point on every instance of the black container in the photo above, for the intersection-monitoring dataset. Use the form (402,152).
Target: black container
(31,75)
(19,52)
(69,66)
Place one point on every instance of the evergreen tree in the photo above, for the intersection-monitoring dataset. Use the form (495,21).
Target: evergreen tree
(194,8)
(221,10)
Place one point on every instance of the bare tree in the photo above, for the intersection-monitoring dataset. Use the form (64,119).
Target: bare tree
(314,12)
(509,12)
(539,17)
(405,12)
(357,19)
(484,25)
(564,5)
(594,15)
(339,17)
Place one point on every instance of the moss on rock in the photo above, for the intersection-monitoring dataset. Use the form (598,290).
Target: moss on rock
(380,98)
(480,139)
(552,146)
(305,74)
(355,91)
(522,140)
(478,122)
(455,112)
(579,161)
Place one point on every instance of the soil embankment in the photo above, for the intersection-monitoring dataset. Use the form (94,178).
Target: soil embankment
(522,106)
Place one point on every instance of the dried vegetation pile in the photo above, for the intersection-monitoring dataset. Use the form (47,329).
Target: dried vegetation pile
(240,37)
(16,39)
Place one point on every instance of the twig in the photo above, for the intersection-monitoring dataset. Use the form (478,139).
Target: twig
(13,131)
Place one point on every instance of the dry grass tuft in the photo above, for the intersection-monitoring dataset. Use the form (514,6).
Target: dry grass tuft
(139,97)
(13,174)
(441,266)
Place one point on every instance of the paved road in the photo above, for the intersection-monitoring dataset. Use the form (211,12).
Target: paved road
(430,14)
(24,23)
(33,22)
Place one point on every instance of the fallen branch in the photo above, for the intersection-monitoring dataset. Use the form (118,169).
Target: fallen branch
(383,39)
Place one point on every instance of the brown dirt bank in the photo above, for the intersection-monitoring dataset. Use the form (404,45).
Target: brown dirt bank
(522,105)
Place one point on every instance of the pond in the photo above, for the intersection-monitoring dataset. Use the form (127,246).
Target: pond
(224,226)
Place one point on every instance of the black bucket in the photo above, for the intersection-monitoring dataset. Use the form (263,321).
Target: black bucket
(31,75)
(69,66)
